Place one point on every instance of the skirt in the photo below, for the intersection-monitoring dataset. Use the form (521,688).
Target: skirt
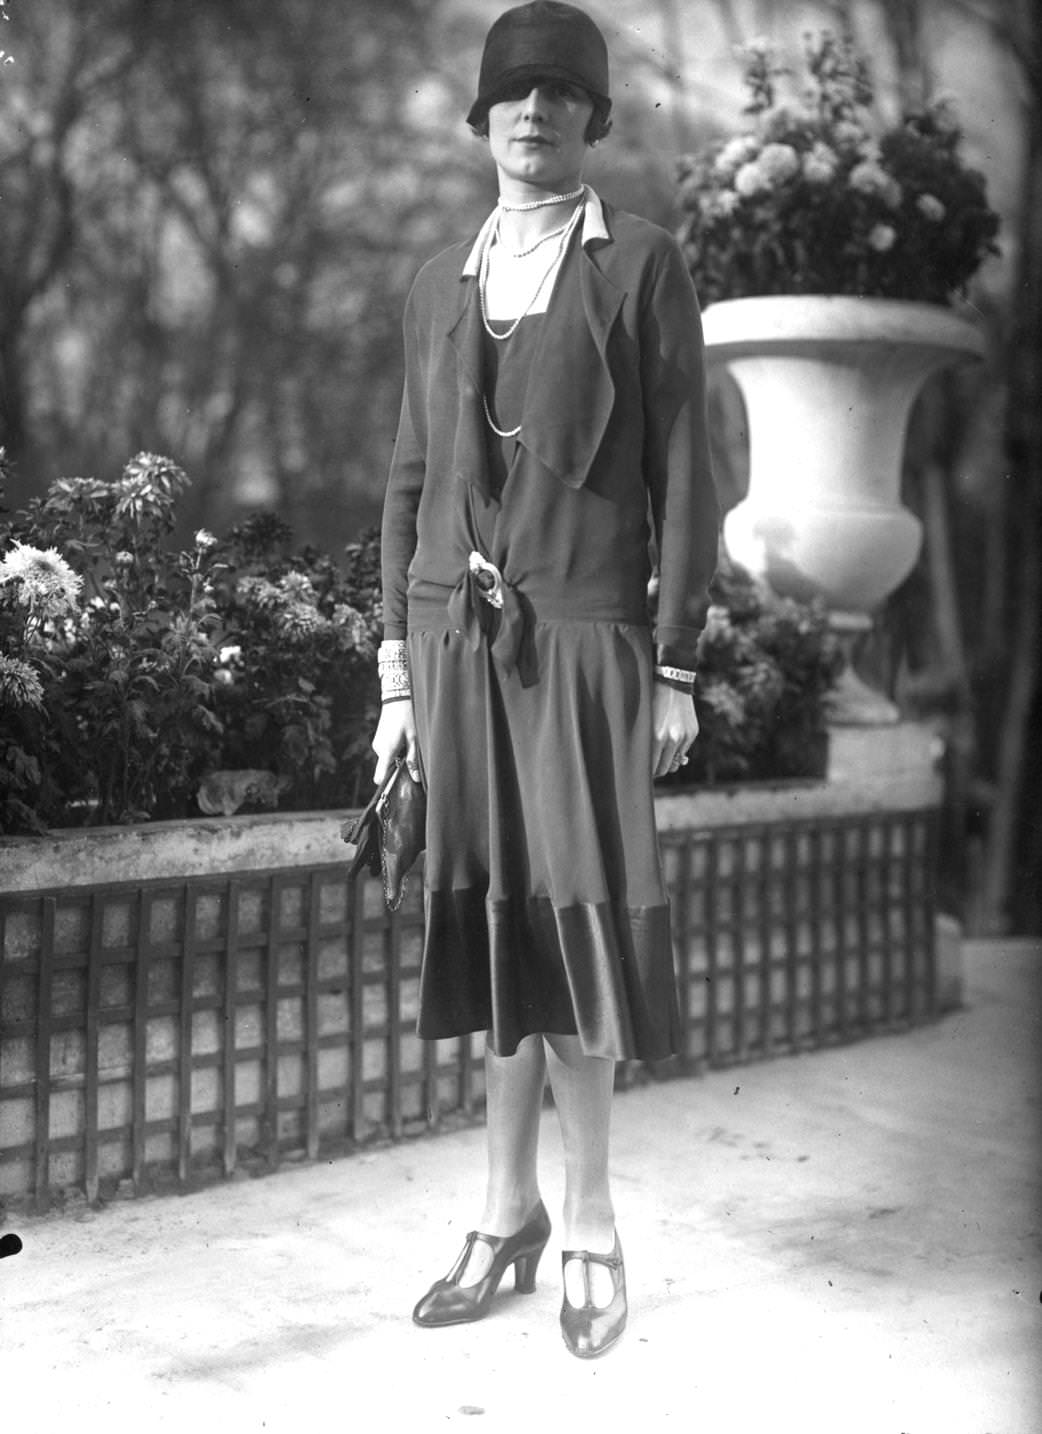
(545,905)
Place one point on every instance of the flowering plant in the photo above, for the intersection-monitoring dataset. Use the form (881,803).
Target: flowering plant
(134,675)
(766,665)
(139,681)
(812,199)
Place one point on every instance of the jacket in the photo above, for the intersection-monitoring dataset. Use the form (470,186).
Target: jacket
(613,451)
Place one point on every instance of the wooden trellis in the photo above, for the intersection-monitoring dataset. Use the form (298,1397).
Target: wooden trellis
(170,1032)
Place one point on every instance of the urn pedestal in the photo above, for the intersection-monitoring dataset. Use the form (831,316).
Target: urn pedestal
(828,384)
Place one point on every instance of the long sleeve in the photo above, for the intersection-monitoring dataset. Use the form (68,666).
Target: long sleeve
(402,498)
(677,464)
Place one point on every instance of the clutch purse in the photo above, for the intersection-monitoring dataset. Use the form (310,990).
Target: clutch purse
(388,837)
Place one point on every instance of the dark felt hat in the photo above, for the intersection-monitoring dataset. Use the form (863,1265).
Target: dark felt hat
(544,40)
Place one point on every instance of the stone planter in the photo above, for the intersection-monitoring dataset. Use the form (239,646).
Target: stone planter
(828,384)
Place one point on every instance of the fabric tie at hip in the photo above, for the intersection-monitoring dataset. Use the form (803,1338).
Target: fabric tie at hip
(483,604)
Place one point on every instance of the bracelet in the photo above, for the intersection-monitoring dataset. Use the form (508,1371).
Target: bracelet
(393,667)
(680,678)
(684,687)
(391,653)
(678,674)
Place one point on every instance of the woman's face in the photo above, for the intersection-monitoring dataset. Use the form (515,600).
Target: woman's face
(537,135)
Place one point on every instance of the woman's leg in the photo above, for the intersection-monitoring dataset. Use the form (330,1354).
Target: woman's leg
(514,1098)
(582,1088)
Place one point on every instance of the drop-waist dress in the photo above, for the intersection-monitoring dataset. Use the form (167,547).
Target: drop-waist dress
(545,906)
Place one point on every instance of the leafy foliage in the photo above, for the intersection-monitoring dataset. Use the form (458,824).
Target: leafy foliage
(810,200)
(175,663)
(131,671)
(765,668)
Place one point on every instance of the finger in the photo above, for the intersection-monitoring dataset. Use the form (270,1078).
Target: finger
(674,758)
(663,759)
(412,759)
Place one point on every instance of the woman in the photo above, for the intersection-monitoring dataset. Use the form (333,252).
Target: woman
(552,427)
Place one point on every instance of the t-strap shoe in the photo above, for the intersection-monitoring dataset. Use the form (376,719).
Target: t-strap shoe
(587,1329)
(449,1302)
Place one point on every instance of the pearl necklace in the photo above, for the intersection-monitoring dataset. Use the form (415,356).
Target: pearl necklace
(542,203)
(499,432)
(524,253)
(565,235)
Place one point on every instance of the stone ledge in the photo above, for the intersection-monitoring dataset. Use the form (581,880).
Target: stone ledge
(870,769)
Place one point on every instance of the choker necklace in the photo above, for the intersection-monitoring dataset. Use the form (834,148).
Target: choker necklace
(542,203)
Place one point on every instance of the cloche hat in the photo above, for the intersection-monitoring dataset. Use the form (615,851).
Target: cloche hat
(546,40)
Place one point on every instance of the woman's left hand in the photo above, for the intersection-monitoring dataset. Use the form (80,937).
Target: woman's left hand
(674,728)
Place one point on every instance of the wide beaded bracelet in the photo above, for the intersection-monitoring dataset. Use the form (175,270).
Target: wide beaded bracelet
(679,678)
(392,665)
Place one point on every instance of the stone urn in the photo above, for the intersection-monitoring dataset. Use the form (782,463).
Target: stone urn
(828,383)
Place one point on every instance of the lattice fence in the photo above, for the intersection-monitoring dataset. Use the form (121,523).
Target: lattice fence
(169,1033)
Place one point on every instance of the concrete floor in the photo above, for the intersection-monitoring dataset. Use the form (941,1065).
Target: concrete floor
(841,1242)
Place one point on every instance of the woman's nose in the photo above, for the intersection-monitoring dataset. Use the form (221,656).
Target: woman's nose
(535,101)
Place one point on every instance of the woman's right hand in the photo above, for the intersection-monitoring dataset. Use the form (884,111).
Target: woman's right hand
(396,732)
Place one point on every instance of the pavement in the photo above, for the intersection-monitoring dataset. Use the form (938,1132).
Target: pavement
(841,1242)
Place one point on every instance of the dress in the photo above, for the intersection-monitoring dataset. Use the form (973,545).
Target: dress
(545,907)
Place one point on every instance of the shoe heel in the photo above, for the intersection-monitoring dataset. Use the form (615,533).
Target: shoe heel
(525,1267)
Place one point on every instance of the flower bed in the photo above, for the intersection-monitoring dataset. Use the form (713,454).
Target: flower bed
(140,682)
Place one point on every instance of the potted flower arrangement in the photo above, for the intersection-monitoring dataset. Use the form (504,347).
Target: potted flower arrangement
(812,199)
(830,253)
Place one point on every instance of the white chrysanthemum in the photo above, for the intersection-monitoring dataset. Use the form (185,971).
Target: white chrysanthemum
(20,684)
(298,588)
(352,625)
(298,621)
(778,162)
(820,164)
(881,237)
(848,134)
(205,540)
(869,177)
(735,153)
(45,582)
(930,207)
(720,206)
(750,180)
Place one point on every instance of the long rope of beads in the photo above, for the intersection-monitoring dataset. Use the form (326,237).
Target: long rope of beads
(524,253)
(499,432)
(483,279)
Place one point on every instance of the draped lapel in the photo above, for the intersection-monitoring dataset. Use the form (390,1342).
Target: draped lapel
(470,461)
(571,392)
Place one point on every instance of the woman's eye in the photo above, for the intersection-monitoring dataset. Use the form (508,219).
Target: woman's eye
(556,90)
(559,90)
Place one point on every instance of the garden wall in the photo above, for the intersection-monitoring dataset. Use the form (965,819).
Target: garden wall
(182,1001)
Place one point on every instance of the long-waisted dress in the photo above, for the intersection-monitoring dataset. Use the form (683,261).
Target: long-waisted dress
(545,905)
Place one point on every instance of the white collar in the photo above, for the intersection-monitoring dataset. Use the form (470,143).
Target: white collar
(594,228)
